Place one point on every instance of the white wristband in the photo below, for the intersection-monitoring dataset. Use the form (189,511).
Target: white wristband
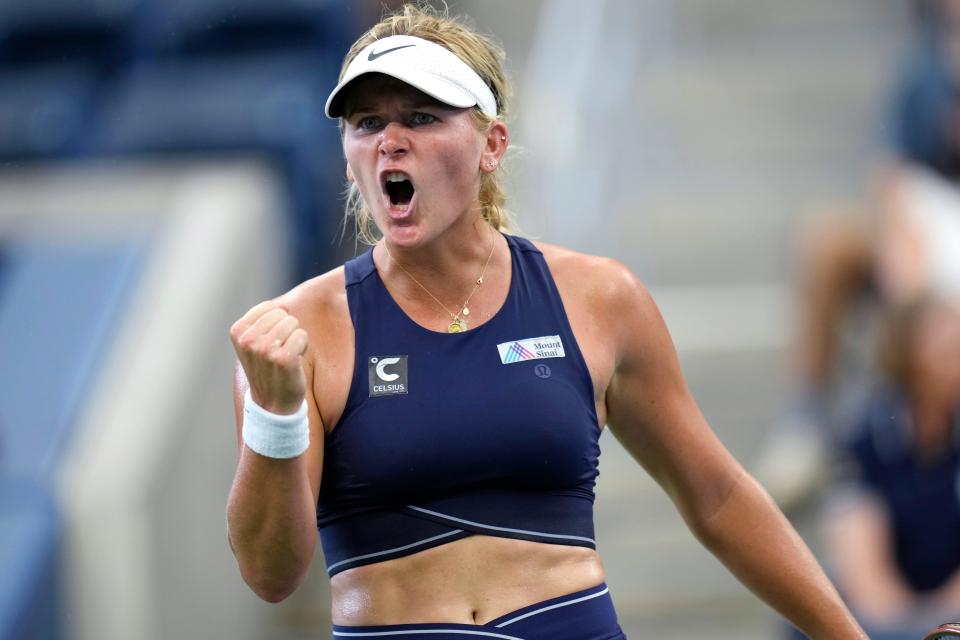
(274,435)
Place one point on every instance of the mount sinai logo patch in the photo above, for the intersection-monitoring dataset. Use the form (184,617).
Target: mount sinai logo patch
(531,349)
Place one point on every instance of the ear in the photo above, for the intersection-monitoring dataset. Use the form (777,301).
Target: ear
(495,145)
(350,177)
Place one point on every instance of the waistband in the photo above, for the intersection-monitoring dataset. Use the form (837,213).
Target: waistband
(384,534)
(583,615)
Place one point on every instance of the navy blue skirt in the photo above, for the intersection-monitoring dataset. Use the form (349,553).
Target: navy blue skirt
(584,615)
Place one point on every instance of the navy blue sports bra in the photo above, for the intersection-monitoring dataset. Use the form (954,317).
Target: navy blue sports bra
(491,431)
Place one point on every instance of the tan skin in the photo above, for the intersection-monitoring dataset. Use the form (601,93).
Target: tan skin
(638,389)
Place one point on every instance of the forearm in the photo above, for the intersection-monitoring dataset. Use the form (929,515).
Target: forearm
(271,520)
(750,535)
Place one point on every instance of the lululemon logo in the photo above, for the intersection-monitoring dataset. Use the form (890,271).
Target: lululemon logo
(542,371)
(387,375)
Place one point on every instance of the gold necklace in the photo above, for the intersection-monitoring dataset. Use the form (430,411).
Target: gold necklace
(457,321)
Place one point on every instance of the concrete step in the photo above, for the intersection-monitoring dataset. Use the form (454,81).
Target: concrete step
(710,23)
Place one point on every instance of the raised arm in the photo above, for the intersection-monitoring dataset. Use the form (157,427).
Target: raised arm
(271,512)
(651,412)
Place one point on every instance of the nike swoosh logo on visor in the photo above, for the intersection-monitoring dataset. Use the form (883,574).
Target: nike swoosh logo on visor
(374,55)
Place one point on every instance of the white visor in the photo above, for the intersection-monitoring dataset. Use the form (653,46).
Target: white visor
(422,64)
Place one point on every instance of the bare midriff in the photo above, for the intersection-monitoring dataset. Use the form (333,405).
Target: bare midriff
(469,581)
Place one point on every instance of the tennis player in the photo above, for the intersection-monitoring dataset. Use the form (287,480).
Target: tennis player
(433,407)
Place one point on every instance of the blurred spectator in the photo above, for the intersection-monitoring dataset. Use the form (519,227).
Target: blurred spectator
(893,529)
(908,246)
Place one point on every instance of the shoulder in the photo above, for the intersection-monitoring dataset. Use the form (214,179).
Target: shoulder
(603,281)
(320,305)
(615,298)
(317,298)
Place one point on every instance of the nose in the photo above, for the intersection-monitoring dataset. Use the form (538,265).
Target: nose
(393,139)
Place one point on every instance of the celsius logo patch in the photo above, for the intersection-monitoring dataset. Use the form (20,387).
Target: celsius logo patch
(387,375)
(531,349)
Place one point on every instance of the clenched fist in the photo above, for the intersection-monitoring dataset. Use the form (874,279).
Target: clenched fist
(270,345)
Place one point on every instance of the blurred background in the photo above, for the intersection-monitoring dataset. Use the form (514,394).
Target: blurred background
(165,164)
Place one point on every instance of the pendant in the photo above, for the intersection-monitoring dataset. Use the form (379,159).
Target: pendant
(457,326)
(465,311)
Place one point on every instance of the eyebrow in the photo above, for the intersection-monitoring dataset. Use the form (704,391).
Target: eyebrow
(427,101)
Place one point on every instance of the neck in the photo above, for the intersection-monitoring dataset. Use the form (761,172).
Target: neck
(450,284)
(450,259)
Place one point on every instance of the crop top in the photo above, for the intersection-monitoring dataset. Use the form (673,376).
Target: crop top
(490,431)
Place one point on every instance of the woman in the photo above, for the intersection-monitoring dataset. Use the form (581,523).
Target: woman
(434,406)
(894,531)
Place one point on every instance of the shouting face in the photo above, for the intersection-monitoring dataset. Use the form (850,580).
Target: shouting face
(416,161)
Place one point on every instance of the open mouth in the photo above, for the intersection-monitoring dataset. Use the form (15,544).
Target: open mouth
(399,189)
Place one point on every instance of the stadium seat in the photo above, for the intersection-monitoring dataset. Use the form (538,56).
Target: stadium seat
(270,105)
(45,31)
(212,103)
(44,110)
(196,27)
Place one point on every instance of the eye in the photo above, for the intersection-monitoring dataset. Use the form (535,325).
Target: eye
(368,122)
(421,118)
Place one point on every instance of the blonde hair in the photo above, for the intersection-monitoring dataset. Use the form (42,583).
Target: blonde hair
(483,55)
